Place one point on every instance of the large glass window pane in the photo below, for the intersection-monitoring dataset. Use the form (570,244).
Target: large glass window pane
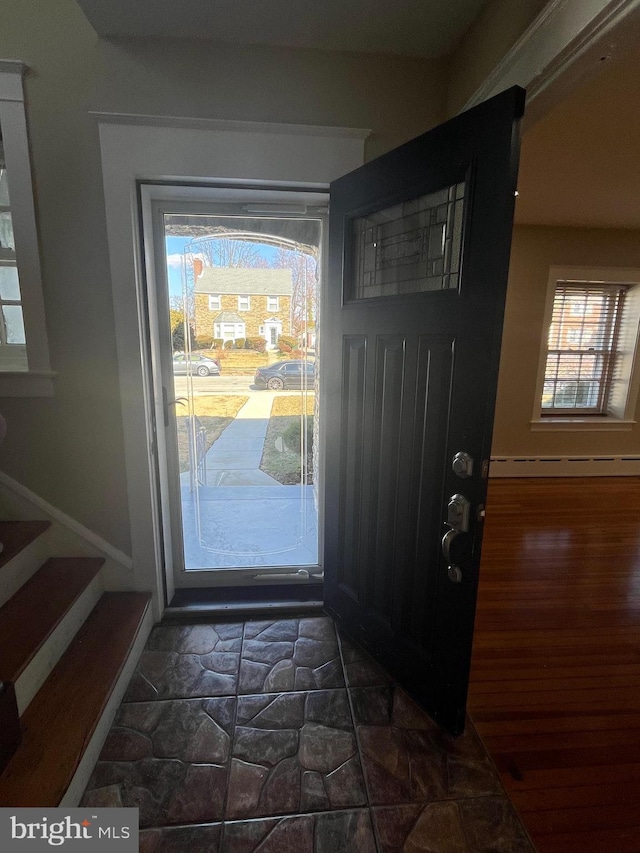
(9,284)
(14,324)
(411,247)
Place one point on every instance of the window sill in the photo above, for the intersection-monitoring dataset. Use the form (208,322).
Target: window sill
(594,424)
(27,384)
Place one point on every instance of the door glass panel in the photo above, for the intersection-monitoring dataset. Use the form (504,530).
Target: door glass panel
(245,423)
(410,247)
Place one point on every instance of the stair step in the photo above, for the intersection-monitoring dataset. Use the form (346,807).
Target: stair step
(64,715)
(16,535)
(40,620)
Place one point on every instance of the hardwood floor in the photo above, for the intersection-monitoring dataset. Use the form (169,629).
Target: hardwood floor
(555,682)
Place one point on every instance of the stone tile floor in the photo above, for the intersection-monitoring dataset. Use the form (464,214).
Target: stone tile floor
(279,736)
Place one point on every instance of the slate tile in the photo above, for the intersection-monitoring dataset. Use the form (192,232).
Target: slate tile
(198,838)
(183,661)
(360,669)
(169,759)
(492,825)
(434,828)
(337,832)
(290,654)
(294,752)
(408,758)
(478,825)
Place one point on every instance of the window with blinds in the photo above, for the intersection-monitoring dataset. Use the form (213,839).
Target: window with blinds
(582,347)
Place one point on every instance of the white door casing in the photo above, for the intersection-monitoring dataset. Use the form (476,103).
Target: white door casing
(136,149)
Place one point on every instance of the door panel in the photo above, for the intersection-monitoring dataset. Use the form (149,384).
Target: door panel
(418,260)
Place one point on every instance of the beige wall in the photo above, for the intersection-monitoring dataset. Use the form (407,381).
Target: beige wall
(69,449)
(534,250)
(491,35)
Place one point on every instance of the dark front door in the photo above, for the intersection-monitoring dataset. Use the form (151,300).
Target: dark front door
(418,260)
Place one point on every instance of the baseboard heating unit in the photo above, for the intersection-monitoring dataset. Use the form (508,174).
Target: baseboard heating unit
(565,466)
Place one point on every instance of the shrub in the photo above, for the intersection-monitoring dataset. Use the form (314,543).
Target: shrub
(291,436)
(204,342)
(229,344)
(287,341)
(217,343)
(256,344)
(240,343)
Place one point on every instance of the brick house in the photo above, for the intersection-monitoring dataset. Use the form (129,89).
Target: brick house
(232,303)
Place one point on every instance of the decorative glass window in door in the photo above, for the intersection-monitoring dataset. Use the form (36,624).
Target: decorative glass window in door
(410,247)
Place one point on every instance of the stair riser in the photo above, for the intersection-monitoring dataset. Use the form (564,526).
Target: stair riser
(34,675)
(25,564)
(10,735)
(74,792)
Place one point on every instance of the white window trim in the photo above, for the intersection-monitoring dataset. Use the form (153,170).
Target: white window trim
(37,380)
(271,299)
(247,297)
(624,419)
(215,302)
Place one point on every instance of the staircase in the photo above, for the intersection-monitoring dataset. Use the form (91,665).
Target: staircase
(67,651)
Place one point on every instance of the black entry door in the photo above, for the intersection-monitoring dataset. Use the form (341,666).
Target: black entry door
(418,259)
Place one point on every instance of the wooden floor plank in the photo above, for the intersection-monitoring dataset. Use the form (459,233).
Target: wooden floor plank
(61,719)
(555,680)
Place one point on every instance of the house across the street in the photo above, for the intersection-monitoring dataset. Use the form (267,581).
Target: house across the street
(232,303)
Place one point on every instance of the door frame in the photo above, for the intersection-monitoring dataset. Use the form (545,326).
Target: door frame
(161,149)
(155,200)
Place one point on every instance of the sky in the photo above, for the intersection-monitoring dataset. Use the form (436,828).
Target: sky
(175,247)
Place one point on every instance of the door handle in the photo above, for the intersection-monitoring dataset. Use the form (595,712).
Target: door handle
(454,573)
(179,401)
(447,541)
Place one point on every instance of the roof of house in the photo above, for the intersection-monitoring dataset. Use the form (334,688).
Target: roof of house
(244,281)
(228,317)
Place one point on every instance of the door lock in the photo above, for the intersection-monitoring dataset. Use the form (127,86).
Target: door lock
(462,465)
(458,510)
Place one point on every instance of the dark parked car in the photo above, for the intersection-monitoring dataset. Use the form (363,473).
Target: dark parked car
(286,374)
(200,364)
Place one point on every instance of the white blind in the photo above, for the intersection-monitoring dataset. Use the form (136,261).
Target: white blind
(581,352)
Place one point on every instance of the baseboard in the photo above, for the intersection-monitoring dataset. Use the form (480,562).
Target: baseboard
(26,505)
(565,466)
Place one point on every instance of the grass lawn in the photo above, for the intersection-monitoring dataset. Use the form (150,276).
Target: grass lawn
(281,455)
(215,413)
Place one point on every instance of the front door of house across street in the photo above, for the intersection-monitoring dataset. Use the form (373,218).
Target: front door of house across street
(418,261)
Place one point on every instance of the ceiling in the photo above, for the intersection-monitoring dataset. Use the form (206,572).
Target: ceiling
(427,28)
(580,164)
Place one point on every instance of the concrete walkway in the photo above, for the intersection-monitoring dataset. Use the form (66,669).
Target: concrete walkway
(243,518)
(234,459)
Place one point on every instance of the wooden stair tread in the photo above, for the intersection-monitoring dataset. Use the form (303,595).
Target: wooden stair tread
(29,617)
(16,535)
(61,719)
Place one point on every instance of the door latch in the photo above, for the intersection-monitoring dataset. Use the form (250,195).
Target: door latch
(458,510)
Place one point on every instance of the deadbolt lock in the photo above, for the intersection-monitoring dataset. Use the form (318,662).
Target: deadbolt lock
(462,465)
(458,513)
